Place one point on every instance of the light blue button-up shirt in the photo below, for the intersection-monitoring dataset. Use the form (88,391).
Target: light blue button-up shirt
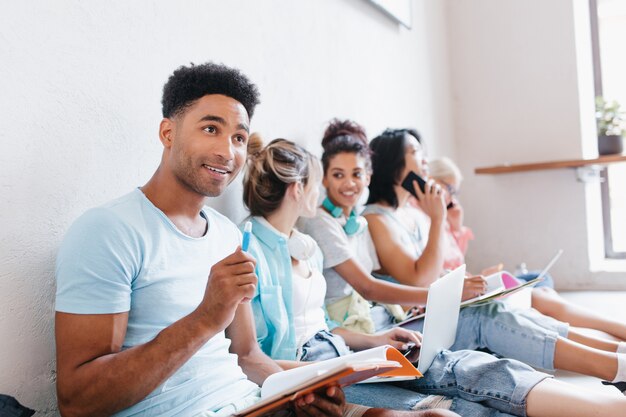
(272,305)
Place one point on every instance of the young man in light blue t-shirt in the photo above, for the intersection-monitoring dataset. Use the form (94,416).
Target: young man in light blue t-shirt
(149,284)
(140,330)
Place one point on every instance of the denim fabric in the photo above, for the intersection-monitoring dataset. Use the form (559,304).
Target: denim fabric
(502,384)
(382,319)
(525,335)
(478,383)
(383,395)
(387,395)
(547,279)
(324,345)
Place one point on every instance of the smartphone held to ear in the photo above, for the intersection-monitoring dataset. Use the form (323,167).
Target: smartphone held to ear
(407,184)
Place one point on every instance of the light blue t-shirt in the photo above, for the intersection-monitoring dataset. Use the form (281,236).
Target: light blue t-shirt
(128,256)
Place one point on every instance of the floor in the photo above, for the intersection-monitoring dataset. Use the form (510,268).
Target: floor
(612,303)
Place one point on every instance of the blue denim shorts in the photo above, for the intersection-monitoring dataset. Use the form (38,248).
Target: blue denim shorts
(525,335)
(477,377)
(324,345)
(478,384)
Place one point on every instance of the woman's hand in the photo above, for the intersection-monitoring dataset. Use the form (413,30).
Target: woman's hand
(431,200)
(473,287)
(399,338)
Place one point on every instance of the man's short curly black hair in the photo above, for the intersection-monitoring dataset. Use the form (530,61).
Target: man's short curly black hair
(190,83)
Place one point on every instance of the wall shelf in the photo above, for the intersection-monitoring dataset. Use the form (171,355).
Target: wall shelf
(536,166)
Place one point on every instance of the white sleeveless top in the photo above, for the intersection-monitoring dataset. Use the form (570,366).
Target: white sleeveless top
(308,302)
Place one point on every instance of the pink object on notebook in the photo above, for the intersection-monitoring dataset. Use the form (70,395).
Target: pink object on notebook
(509,280)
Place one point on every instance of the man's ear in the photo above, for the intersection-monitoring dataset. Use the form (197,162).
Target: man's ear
(166,132)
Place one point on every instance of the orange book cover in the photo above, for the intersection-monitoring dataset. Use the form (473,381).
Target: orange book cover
(283,387)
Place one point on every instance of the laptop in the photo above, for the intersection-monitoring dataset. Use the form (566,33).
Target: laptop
(442,316)
(439,332)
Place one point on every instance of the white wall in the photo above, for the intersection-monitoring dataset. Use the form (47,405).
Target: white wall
(522,87)
(79,111)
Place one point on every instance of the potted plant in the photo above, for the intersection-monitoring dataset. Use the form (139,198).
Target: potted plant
(611,122)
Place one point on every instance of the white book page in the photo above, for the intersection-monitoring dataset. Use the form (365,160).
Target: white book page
(282,381)
(377,379)
(494,282)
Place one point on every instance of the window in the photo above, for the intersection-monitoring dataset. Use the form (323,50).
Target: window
(608,26)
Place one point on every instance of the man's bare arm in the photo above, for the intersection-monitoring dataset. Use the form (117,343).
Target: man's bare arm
(242,333)
(96,378)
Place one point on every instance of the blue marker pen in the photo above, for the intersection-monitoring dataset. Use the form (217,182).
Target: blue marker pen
(247,229)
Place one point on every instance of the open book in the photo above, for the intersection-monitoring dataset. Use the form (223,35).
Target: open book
(504,283)
(499,285)
(281,388)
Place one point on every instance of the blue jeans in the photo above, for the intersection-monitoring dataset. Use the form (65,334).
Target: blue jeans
(479,385)
(324,345)
(386,395)
(525,335)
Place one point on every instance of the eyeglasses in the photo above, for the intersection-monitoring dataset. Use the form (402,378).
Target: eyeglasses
(450,189)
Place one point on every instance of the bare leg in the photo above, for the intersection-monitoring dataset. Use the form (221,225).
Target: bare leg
(383,412)
(549,302)
(555,398)
(598,334)
(572,356)
(591,341)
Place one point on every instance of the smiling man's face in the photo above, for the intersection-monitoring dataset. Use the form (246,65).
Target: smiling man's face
(207,144)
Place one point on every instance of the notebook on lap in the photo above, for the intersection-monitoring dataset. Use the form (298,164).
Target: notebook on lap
(505,284)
